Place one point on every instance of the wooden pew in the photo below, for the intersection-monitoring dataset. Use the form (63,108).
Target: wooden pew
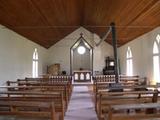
(130,80)
(103,81)
(43,89)
(125,89)
(42,83)
(106,99)
(112,115)
(55,97)
(29,109)
(61,80)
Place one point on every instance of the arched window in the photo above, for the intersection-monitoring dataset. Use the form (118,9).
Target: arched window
(76,76)
(88,76)
(81,76)
(156,60)
(35,64)
(129,62)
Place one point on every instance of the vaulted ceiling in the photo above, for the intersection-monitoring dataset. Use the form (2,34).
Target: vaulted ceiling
(48,21)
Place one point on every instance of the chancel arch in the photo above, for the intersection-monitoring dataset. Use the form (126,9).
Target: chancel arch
(81,57)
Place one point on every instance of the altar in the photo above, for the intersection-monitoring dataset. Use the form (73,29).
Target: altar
(82,75)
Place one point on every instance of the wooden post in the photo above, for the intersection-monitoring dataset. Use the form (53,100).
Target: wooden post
(110,113)
(53,114)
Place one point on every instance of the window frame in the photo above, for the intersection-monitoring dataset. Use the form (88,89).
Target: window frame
(156,59)
(129,62)
(35,64)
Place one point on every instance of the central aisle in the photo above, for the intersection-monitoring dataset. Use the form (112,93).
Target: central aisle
(81,106)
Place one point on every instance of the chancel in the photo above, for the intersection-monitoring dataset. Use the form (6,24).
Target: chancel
(79,59)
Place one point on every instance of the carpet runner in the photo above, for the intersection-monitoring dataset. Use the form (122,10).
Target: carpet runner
(81,106)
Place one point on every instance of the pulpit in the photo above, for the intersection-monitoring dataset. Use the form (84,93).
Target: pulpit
(82,75)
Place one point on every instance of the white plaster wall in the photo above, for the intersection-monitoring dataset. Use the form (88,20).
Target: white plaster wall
(100,54)
(16,56)
(142,48)
(60,52)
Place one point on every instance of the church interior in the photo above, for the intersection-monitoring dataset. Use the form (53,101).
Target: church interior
(79,59)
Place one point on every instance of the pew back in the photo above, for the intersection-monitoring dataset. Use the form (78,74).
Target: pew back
(106,99)
(29,109)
